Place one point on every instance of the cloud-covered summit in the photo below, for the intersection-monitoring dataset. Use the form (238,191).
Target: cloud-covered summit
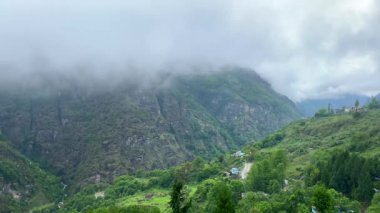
(305,49)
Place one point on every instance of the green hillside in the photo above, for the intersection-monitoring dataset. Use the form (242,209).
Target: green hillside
(23,185)
(331,163)
(310,140)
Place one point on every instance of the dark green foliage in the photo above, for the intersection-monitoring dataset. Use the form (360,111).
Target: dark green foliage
(178,198)
(299,200)
(220,199)
(124,186)
(254,202)
(357,104)
(347,173)
(312,173)
(128,209)
(237,188)
(81,203)
(162,178)
(364,190)
(295,200)
(2,138)
(360,141)
(198,170)
(268,175)
(374,103)
(356,115)
(322,113)
(272,140)
(322,199)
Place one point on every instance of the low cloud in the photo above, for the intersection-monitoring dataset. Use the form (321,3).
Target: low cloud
(305,49)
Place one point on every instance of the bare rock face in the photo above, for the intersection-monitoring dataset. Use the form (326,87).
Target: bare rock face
(79,135)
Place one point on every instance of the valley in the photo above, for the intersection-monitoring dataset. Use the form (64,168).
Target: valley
(84,136)
(286,174)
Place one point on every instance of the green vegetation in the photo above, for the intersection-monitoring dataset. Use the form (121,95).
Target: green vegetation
(323,113)
(23,185)
(269,174)
(374,103)
(219,199)
(322,199)
(178,198)
(349,174)
(151,188)
(128,209)
(375,204)
(328,163)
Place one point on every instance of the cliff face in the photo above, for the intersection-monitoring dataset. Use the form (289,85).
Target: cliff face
(95,136)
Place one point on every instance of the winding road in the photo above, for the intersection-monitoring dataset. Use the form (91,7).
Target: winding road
(247,167)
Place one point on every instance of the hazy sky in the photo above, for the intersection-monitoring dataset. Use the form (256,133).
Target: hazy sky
(304,48)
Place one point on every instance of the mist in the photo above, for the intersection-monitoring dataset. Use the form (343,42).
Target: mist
(304,49)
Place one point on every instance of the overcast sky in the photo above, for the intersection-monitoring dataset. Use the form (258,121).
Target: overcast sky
(304,48)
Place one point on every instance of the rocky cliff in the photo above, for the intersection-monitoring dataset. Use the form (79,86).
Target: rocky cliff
(91,136)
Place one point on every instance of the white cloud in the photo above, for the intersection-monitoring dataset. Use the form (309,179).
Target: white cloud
(305,49)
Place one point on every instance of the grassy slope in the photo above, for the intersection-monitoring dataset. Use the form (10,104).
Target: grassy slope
(161,198)
(375,204)
(309,140)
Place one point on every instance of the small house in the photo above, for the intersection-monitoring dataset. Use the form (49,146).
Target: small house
(239,154)
(235,171)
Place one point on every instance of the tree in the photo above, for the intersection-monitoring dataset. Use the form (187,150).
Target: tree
(129,209)
(357,104)
(356,113)
(374,103)
(322,113)
(262,207)
(322,199)
(364,191)
(178,198)
(269,174)
(329,109)
(219,199)
(302,208)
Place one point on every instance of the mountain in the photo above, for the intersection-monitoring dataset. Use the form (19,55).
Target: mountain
(311,106)
(24,185)
(94,135)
